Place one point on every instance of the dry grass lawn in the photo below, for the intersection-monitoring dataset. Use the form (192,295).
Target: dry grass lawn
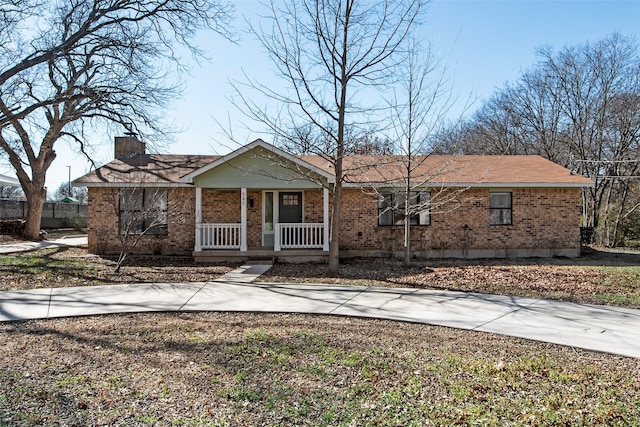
(224,369)
(599,277)
(231,369)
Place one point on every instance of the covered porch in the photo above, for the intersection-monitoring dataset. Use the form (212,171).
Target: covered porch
(260,202)
(291,224)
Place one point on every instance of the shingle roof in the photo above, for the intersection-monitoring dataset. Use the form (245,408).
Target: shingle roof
(146,169)
(165,169)
(456,170)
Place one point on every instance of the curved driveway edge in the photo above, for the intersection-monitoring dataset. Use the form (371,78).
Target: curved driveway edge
(79,240)
(599,328)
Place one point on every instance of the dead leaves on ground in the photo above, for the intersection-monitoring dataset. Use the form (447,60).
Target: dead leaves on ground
(578,283)
(583,280)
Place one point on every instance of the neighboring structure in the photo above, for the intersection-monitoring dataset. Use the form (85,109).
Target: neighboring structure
(54,215)
(7,181)
(260,201)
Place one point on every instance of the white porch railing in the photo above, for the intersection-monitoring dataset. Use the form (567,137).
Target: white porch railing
(300,236)
(220,236)
(291,236)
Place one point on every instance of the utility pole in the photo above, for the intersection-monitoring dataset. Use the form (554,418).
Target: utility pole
(69,167)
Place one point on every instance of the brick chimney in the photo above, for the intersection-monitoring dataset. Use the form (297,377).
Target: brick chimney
(128,146)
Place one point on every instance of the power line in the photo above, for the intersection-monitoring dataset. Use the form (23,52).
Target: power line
(617,177)
(607,161)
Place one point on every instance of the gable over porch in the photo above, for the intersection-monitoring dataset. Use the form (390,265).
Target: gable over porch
(260,201)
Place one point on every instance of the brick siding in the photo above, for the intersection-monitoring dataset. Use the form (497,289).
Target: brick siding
(254,218)
(103,224)
(542,218)
(313,206)
(224,207)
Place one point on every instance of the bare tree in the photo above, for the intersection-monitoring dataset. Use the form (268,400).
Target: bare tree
(594,79)
(522,119)
(64,190)
(420,104)
(10,192)
(626,159)
(579,107)
(71,65)
(495,126)
(329,52)
(627,219)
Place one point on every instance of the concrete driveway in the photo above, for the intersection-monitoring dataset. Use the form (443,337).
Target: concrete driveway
(79,240)
(600,328)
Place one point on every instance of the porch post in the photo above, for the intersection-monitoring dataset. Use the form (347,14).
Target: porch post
(243,220)
(325,218)
(276,221)
(198,247)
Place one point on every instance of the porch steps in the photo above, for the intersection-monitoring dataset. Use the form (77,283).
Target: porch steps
(261,256)
(244,274)
(260,261)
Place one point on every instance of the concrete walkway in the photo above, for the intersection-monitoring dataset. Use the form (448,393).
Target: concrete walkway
(79,240)
(600,328)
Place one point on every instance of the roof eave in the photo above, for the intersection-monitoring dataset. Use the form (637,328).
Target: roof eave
(473,185)
(112,184)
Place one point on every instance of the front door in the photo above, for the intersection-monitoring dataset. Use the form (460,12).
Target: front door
(290,206)
(287,208)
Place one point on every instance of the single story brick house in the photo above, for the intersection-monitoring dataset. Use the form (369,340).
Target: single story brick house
(260,201)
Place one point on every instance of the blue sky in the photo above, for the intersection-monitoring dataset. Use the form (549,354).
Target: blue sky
(484,44)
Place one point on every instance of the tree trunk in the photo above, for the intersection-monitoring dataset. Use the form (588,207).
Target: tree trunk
(36,196)
(121,258)
(34,186)
(334,239)
(407,225)
(605,222)
(617,241)
(334,236)
(407,242)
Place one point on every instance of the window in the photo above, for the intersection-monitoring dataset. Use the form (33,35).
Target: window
(290,200)
(391,208)
(143,211)
(500,208)
(268,211)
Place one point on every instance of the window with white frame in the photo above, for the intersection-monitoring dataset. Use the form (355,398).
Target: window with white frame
(143,211)
(500,208)
(391,208)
